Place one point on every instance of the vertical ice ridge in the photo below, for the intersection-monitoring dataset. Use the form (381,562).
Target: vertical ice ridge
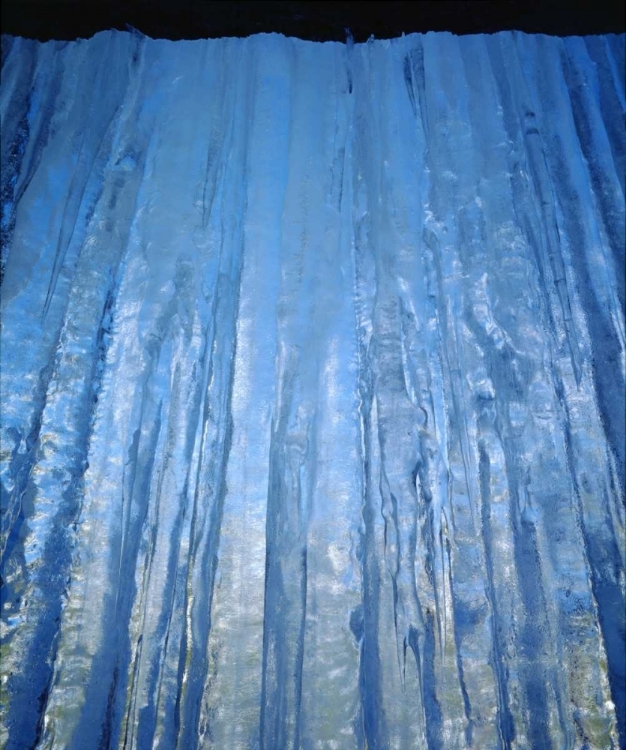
(49,333)
(208,488)
(605,332)
(15,101)
(66,416)
(21,136)
(364,620)
(455,242)
(312,198)
(312,373)
(217,427)
(566,490)
(608,99)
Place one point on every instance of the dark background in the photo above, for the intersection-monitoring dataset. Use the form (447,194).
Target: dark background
(320,21)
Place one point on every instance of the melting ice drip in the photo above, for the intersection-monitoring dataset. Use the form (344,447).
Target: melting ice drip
(313,393)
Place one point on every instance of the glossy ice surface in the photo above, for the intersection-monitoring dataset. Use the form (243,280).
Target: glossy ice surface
(313,393)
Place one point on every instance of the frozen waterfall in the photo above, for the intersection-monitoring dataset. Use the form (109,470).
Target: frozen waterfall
(312,375)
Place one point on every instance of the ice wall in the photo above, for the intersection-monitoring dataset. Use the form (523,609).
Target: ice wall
(313,393)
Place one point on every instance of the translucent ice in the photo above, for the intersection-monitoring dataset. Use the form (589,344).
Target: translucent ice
(312,377)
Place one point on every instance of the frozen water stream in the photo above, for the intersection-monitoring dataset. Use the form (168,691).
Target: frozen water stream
(312,369)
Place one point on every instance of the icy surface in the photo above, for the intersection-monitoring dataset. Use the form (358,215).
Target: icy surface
(313,393)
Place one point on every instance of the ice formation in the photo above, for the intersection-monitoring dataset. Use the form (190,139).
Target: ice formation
(313,393)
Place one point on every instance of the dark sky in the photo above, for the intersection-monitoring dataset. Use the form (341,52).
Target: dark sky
(189,19)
